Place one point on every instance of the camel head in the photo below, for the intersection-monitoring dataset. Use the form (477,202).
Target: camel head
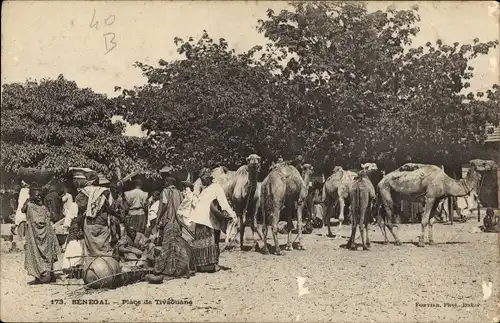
(483,166)
(253,161)
(363,173)
(306,170)
(369,166)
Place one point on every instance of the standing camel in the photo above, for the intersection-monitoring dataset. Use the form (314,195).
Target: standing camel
(242,191)
(284,187)
(428,181)
(336,192)
(362,197)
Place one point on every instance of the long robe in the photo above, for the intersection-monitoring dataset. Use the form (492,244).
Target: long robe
(55,205)
(175,257)
(41,248)
(96,231)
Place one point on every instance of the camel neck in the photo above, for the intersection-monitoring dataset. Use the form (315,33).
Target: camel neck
(464,186)
(307,178)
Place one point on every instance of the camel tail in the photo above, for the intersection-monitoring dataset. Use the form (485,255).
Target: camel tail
(357,205)
(267,203)
(378,205)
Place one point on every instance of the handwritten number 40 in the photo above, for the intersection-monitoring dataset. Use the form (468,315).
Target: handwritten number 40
(109,38)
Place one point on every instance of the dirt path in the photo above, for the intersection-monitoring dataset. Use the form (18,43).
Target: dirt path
(384,284)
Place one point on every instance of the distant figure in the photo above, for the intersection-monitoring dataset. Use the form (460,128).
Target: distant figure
(188,203)
(118,210)
(20,217)
(42,248)
(137,201)
(67,200)
(154,204)
(54,203)
(134,245)
(491,221)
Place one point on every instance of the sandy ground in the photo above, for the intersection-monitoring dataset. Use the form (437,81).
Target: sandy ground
(383,284)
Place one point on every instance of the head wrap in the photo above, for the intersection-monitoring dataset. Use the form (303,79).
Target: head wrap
(187,183)
(138,182)
(205,172)
(34,188)
(103,180)
(169,181)
(91,178)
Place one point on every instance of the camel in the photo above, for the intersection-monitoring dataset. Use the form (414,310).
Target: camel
(238,186)
(243,190)
(362,197)
(335,192)
(284,187)
(431,183)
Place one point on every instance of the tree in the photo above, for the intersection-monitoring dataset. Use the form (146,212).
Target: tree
(367,94)
(53,124)
(212,107)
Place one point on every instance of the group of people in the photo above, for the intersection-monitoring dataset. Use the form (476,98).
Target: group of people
(171,233)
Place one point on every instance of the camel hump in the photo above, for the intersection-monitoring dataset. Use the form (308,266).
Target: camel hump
(410,167)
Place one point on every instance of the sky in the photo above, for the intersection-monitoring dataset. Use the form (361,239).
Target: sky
(97,43)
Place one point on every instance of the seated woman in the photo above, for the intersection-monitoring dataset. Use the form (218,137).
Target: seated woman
(134,245)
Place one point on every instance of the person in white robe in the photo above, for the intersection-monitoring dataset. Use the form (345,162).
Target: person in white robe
(211,215)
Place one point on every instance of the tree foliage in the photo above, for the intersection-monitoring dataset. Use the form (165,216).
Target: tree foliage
(378,97)
(217,107)
(53,124)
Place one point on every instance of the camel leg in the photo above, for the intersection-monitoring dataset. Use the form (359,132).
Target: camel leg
(432,220)
(265,251)
(341,212)
(365,224)
(255,230)
(330,209)
(362,226)
(351,243)
(368,244)
(275,220)
(300,208)
(265,213)
(431,238)
(388,207)
(242,229)
(429,204)
(289,241)
(392,228)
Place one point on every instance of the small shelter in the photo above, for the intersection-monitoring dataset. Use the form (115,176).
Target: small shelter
(492,146)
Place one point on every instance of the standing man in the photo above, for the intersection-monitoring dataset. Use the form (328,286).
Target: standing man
(53,201)
(137,201)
